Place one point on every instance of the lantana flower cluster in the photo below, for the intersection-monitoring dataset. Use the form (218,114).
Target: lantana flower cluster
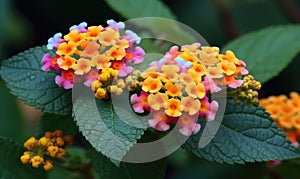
(93,54)
(285,112)
(176,89)
(42,151)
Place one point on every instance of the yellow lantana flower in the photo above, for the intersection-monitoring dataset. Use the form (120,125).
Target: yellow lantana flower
(173,107)
(82,66)
(190,105)
(157,101)
(152,85)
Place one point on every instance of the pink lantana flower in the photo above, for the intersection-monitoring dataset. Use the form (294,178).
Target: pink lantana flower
(115,25)
(172,53)
(81,28)
(235,84)
(140,103)
(182,64)
(65,80)
(191,48)
(158,64)
(125,70)
(90,77)
(167,59)
(54,41)
(132,37)
(187,124)
(210,85)
(241,67)
(160,120)
(208,110)
(212,110)
(49,63)
(136,57)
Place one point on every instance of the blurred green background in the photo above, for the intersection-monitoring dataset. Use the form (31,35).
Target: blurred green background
(25,24)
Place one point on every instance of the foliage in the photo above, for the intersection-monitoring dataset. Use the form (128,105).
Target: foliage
(260,48)
(24,76)
(10,164)
(246,134)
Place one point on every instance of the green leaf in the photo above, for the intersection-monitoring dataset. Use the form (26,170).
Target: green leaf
(268,51)
(246,134)
(26,80)
(11,118)
(108,127)
(143,8)
(106,169)
(52,122)
(157,18)
(10,164)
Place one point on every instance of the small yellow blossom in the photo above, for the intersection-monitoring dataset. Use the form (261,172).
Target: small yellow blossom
(25,158)
(82,66)
(96,84)
(197,78)
(30,143)
(61,153)
(50,145)
(228,68)
(36,161)
(94,31)
(185,78)
(152,85)
(195,91)
(199,69)
(74,37)
(173,107)
(214,72)
(52,150)
(173,89)
(66,49)
(100,61)
(157,101)
(45,142)
(48,165)
(66,63)
(100,93)
(122,43)
(190,105)
(229,56)
(60,141)
(170,72)
(188,56)
(108,37)
(117,54)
